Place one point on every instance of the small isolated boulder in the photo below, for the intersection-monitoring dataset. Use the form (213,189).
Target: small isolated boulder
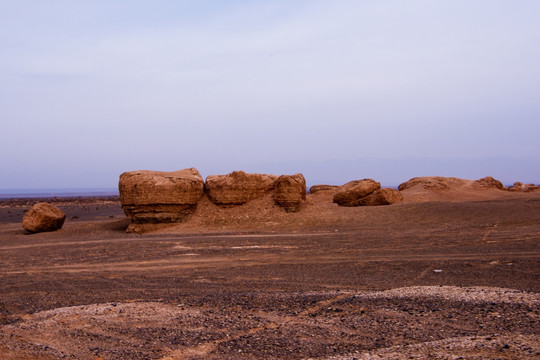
(351,193)
(386,196)
(43,217)
(160,197)
(318,188)
(238,187)
(489,183)
(290,191)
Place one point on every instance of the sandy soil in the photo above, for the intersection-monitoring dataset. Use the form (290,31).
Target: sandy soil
(454,278)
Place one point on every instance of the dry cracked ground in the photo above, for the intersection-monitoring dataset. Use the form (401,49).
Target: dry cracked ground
(438,280)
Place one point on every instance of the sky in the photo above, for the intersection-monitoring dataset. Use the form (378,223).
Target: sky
(338,90)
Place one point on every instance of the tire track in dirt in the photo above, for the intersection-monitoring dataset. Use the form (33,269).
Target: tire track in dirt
(188,260)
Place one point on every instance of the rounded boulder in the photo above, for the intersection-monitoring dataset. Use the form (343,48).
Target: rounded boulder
(351,193)
(43,217)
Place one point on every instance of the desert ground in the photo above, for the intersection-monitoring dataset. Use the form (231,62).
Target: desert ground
(448,275)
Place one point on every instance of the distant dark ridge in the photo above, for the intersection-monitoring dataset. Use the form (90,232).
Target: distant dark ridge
(55,193)
(58,200)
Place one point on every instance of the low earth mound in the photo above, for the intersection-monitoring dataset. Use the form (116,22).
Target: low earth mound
(43,217)
(238,187)
(438,188)
(433,183)
(160,197)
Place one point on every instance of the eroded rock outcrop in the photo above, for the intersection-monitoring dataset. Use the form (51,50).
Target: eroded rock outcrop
(238,187)
(386,196)
(521,187)
(43,217)
(490,183)
(290,191)
(432,183)
(352,192)
(158,196)
(516,187)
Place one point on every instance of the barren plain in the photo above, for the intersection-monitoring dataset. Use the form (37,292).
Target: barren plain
(454,275)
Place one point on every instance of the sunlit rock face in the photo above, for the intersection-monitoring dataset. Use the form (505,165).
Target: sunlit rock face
(290,192)
(352,192)
(43,217)
(238,187)
(160,197)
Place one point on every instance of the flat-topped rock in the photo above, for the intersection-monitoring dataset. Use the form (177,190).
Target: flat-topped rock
(290,191)
(238,187)
(43,217)
(159,196)
(318,188)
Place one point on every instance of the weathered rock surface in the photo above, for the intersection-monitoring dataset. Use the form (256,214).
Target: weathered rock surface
(521,187)
(530,187)
(517,187)
(238,187)
(386,196)
(318,188)
(489,182)
(158,196)
(43,217)
(432,183)
(351,193)
(290,191)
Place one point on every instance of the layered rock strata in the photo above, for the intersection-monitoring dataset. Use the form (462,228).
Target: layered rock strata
(432,183)
(290,192)
(490,182)
(352,192)
(43,217)
(386,196)
(158,196)
(238,187)
(318,188)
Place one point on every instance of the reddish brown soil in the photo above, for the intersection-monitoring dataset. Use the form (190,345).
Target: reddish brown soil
(437,280)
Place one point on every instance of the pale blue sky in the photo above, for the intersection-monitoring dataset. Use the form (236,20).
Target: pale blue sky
(92,88)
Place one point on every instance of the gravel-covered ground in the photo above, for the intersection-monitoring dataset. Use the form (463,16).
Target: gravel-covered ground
(433,280)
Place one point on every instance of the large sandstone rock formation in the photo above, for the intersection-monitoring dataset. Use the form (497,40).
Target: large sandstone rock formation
(238,187)
(43,217)
(386,196)
(489,182)
(290,191)
(160,197)
(351,193)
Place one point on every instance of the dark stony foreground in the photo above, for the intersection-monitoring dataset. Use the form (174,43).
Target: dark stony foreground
(434,280)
